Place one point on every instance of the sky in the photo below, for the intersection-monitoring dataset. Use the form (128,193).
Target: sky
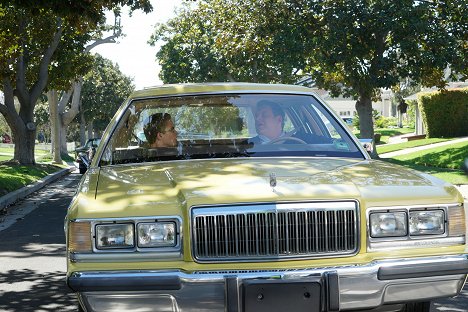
(135,57)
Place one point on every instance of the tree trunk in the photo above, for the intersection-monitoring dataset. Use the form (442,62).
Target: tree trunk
(82,128)
(89,128)
(366,124)
(24,140)
(55,125)
(67,117)
(22,125)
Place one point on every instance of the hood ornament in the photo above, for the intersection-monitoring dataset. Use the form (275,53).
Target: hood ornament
(272,180)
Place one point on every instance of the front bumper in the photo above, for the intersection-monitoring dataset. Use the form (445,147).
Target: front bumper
(340,288)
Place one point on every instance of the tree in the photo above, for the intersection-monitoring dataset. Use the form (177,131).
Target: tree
(353,48)
(368,45)
(31,39)
(105,88)
(222,40)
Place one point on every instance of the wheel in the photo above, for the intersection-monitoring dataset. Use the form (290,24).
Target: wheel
(417,307)
(288,138)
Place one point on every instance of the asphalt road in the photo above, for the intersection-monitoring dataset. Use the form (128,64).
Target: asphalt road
(32,255)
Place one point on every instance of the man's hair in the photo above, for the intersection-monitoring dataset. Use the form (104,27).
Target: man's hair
(275,108)
(155,125)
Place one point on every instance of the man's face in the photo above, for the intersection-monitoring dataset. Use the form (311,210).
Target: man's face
(267,123)
(168,137)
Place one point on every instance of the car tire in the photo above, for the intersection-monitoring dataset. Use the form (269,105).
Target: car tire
(417,307)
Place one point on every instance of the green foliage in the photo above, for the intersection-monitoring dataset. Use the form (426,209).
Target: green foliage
(79,11)
(445,113)
(222,40)
(385,122)
(105,87)
(4,128)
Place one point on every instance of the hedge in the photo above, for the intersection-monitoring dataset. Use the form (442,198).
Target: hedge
(445,113)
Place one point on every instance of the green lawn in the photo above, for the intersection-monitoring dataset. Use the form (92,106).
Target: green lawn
(387,148)
(14,176)
(443,162)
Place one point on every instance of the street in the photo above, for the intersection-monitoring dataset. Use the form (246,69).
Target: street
(32,254)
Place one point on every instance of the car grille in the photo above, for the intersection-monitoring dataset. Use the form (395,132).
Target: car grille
(274,231)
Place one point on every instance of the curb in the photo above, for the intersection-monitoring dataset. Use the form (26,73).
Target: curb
(27,190)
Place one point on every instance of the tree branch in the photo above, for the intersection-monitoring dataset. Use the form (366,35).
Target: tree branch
(44,66)
(64,99)
(21,90)
(68,116)
(110,39)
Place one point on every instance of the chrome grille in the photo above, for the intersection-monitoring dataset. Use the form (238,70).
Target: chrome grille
(274,231)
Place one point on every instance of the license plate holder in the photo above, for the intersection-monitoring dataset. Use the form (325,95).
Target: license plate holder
(281,295)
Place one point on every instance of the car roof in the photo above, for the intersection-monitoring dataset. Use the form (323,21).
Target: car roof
(189,88)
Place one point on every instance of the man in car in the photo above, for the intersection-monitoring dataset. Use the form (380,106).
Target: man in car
(269,122)
(160,131)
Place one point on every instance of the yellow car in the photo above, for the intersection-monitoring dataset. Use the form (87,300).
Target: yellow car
(255,197)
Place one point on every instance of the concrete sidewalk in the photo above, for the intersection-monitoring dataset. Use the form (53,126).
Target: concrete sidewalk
(420,148)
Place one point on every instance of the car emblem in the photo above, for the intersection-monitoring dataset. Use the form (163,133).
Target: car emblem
(272,180)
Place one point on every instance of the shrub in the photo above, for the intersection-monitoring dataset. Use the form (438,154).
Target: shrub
(445,113)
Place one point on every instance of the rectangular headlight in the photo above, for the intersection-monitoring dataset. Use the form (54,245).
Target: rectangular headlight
(427,222)
(112,236)
(157,234)
(388,224)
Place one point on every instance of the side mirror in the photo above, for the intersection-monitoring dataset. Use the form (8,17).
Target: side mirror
(368,145)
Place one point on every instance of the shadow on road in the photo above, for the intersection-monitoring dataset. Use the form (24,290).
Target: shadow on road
(38,292)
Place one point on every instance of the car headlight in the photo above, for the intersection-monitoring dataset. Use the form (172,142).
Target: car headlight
(427,222)
(111,236)
(157,234)
(388,224)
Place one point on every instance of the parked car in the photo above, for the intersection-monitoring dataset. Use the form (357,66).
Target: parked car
(85,153)
(5,138)
(304,222)
(91,143)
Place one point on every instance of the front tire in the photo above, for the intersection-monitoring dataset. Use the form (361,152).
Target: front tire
(417,307)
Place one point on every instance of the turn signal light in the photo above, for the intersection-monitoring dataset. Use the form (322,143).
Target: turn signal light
(79,237)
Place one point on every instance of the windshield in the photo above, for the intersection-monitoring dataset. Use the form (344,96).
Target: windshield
(220,126)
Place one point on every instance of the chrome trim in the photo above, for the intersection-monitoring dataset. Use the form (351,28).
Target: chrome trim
(135,253)
(237,253)
(130,101)
(359,286)
(412,241)
(125,257)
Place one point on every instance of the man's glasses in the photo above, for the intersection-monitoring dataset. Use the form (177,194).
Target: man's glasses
(173,130)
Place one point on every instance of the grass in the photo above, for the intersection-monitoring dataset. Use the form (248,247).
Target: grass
(450,157)
(442,162)
(387,148)
(14,176)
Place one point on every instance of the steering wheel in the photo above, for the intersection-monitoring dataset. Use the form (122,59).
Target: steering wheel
(288,138)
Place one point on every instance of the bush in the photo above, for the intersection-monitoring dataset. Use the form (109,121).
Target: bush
(445,113)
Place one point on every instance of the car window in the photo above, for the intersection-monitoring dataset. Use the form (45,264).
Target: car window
(233,125)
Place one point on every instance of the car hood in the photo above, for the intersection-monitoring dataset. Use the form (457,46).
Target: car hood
(170,188)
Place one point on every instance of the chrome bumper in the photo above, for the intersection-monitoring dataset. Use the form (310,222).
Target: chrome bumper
(343,288)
